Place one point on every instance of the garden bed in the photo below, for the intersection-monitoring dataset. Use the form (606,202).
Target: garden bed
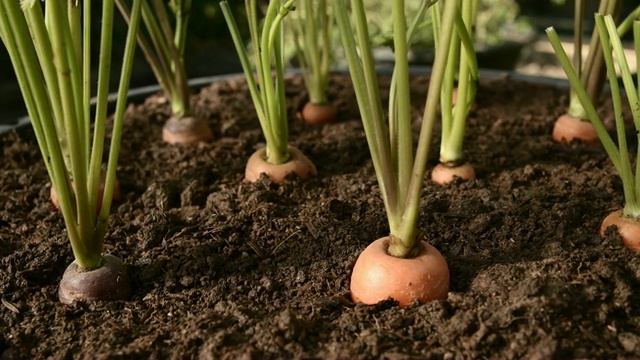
(224,268)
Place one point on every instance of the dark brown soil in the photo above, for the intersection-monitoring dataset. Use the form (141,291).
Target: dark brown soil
(226,269)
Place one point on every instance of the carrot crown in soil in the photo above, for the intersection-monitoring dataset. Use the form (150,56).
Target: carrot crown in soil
(163,47)
(400,175)
(50,52)
(310,27)
(267,93)
(462,65)
(619,154)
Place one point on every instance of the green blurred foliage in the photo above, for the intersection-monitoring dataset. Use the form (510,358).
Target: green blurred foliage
(496,22)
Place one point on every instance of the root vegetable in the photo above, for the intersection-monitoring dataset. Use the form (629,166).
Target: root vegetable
(317,114)
(188,131)
(443,174)
(108,282)
(378,276)
(568,128)
(297,164)
(628,229)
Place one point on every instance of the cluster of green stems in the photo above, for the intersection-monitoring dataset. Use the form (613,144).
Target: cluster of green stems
(591,72)
(399,174)
(311,31)
(163,46)
(463,66)
(50,51)
(611,45)
(267,93)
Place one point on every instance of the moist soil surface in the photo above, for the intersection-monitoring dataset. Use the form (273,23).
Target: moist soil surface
(222,268)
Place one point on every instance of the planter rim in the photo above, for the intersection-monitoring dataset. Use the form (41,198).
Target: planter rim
(137,95)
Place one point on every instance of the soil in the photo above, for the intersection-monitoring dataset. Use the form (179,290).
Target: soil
(226,269)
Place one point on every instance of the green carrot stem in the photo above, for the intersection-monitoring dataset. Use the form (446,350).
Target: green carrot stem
(85,61)
(310,51)
(104,69)
(446,94)
(451,151)
(313,46)
(180,98)
(627,23)
(77,53)
(60,38)
(636,41)
(302,55)
(268,95)
(273,94)
(605,30)
(275,155)
(578,23)
(632,205)
(592,73)
(370,106)
(161,48)
(436,23)
(404,151)
(35,22)
(246,66)
(636,37)
(182,12)
(164,78)
(327,21)
(118,120)
(393,93)
(73,52)
(406,232)
(282,130)
(14,31)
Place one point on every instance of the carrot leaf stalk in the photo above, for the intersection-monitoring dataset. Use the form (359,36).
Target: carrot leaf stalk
(618,151)
(50,53)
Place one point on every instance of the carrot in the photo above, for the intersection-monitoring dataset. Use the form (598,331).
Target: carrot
(568,128)
(628,229)
(456,100)
(298,164)
(318,113)
(379,276)
(188,130)
(48,44)
(443,174)
(108,282)
(277,158)
(400,266)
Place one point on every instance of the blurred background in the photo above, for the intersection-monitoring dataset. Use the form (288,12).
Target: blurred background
(509,36)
